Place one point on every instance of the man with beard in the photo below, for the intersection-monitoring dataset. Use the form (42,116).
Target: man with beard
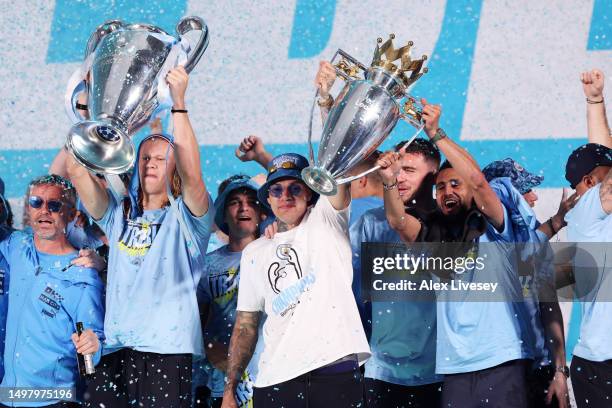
(589,224)
(49,293)
(402,337)
(482,346)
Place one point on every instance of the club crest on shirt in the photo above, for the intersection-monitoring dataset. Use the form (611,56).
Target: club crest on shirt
(286,270)
(137,237)
(287,280)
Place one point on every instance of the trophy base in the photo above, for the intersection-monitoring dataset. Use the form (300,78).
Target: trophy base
(320,180)
(101,147)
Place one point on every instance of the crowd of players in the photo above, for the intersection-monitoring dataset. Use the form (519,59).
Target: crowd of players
(255,299)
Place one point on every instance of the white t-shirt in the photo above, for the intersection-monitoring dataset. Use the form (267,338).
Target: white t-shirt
(301,280)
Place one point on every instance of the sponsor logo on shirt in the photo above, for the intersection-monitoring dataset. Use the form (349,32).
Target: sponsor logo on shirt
(137,237)
(52,299)
(50,292)
(224,286)
(286,279)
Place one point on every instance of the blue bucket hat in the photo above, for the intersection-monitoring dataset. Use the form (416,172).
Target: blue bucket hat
(521,179)
(240,183)
(284,166)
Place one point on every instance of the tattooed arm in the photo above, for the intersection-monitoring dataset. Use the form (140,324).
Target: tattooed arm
(605,193)
(242,346)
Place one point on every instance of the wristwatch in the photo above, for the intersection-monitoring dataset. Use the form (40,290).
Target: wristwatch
(440,134)
(563,369)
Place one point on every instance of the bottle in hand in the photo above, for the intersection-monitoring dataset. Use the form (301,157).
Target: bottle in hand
(86,365)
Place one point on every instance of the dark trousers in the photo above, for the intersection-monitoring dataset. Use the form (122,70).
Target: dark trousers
(538,381)
(129,378)
(381,394)
(202,398)
(502,386)
(313,390)
(592,382)
(63,404)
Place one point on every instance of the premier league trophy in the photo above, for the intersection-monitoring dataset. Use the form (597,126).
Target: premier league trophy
(365,112)
(126,66)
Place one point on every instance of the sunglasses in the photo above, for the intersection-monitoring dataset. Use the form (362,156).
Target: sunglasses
(276,190)
(53,206)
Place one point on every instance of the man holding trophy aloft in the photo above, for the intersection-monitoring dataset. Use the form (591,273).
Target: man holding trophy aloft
(157,235)
(312,342)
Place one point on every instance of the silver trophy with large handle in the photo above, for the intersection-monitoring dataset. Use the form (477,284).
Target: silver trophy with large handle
(364,113)
(124,66)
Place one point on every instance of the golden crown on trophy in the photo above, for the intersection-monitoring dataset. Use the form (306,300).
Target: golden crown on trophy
(386,54)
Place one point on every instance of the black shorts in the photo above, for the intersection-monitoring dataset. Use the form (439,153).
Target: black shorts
(382,394)
(314,390)
(592,382)
(502,386)
(129,378)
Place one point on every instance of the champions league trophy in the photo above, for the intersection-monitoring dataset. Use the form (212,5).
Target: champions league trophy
(365,112)
(126,65)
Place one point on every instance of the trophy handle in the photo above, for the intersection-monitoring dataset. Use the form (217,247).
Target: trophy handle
(348,67)
(101,31)
(312,109)
(186,25)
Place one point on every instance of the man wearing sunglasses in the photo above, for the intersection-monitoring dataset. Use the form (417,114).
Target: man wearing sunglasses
(49,293)
(157,238)
(312,340)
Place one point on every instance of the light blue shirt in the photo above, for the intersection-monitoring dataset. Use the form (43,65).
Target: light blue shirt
(537,273)
(587,222)
(46,301)
(403,340)
(475,335)
(4,287)
(151,303)
(219,288)
(359,206)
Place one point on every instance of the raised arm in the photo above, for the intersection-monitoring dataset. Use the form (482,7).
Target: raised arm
(486,200)
(597,122)
(242,346)
(555,223)
(58,165)
(186,149)
(252,148)
(342,198)
(407,226)
(92,194)
(324,81)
